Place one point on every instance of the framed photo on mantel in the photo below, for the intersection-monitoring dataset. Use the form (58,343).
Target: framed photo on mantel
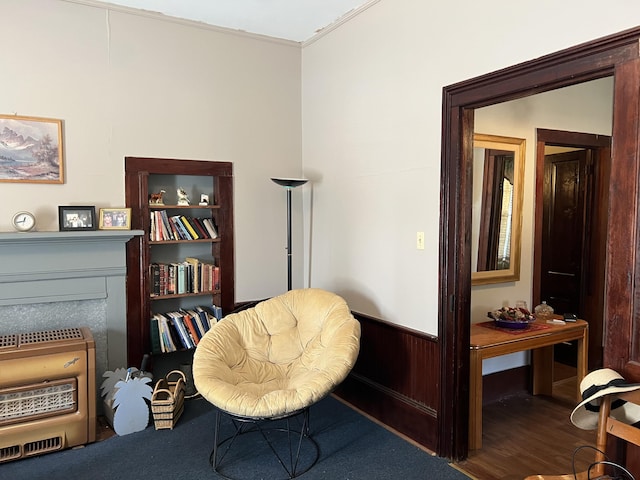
(115,219)
(72,218)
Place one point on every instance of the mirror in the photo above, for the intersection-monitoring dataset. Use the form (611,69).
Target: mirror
(498,178)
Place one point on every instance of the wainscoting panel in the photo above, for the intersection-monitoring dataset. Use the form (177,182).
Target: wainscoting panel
(396,379)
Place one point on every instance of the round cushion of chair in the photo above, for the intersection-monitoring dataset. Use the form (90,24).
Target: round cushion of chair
(278,357)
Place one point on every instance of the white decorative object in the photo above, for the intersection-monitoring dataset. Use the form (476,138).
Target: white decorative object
(125,408)
(111,378)
(183,198)
(132,412)
(108,389)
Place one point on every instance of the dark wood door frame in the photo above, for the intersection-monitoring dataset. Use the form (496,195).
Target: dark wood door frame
(601,145)
(615,55)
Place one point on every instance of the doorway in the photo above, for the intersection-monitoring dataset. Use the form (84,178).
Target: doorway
(570,245)
(616,55)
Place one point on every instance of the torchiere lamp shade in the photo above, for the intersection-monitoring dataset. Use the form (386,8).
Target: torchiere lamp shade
(290,182)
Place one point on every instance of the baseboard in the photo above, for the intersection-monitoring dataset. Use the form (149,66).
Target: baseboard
(417,422)
(383,382)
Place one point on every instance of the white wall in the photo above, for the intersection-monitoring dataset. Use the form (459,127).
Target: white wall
(134,84)
(372,106)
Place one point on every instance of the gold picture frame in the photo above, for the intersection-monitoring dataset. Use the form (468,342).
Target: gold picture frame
(31,150)
(115,219)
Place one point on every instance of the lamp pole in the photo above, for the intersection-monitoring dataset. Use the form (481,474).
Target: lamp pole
(289,184)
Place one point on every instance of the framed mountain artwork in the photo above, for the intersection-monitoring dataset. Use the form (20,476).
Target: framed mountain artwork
(31,150)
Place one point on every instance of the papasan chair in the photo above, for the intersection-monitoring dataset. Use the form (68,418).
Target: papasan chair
(270,363)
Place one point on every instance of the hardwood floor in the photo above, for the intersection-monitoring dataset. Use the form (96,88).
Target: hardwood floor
(526,435)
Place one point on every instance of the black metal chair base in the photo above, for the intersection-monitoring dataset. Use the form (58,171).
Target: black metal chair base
(298,455)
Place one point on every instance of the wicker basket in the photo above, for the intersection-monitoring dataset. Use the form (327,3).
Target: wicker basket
(167,401)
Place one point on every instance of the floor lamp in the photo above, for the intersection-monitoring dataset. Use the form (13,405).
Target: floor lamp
(289,184)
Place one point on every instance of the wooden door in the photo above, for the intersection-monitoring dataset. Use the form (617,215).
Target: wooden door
(566,184)
(582,178)
(570,233)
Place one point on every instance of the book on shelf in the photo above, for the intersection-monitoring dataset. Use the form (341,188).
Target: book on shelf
(161,232)
(190,323)
(157,222)
(189,227)
(171,281)
(166,335)
(192,275)
(180,227)
(181,278)
(166,226)
(152,227)
(198,324)
(164,278)
(173,333)
(217,312)
(190,279)
(158,230)
(205,283)
(159,321)
(211,228)
(184,233)
(216,278)
(154,279)
(181,329)
(156,344)
(195,275)
(197,224)
(184,335)
(206,319)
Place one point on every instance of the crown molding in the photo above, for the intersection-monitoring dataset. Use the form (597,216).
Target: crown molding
(341,21)
(181,21)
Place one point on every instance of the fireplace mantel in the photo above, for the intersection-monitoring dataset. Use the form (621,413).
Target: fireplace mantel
(40,269)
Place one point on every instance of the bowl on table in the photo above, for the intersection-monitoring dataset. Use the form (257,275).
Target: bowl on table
(512,317)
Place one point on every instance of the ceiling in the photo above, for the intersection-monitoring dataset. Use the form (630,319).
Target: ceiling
(296,20)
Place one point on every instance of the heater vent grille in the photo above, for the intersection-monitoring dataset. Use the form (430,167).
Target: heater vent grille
(8,341)
(42,446)
(50,336)
(16,340)
(38,400)
(9,453)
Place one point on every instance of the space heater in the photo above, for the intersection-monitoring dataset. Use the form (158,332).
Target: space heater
(47,392)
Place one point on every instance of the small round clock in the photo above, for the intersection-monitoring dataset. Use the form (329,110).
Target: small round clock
(23,221)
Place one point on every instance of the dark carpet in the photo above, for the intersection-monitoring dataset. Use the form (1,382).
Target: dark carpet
(352,447)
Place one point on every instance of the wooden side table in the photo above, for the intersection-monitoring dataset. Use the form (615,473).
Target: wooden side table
(489,342)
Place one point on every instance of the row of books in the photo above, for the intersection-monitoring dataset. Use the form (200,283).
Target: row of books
(190,276)
(181,329)
(180,227)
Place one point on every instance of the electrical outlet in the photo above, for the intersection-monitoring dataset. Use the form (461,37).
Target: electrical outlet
(420,241)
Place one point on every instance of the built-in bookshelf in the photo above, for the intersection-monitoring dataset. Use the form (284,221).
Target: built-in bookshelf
(180,274)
